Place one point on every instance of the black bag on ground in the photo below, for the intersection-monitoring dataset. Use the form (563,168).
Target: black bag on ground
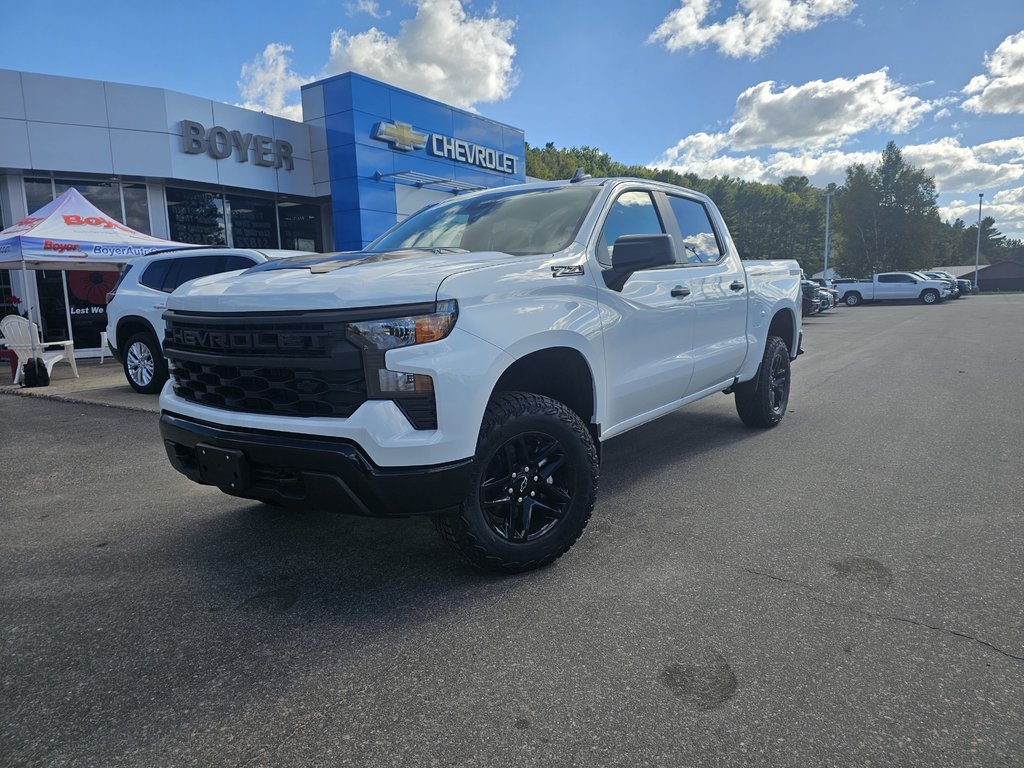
(35,374)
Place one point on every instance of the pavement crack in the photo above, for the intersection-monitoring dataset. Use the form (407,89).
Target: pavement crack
(886,616)
(773,577)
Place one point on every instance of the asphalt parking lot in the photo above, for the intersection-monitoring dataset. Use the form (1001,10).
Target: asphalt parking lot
(844,590)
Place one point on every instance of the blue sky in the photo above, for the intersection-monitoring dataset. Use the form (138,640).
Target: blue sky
(758,89)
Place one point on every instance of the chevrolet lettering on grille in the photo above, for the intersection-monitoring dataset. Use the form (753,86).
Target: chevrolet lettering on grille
(246,341)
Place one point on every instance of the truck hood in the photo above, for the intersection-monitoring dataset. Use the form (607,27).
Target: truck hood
(332,281)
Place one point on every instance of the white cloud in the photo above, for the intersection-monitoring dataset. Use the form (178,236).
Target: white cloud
(810,124)
(1006,207)
(1001,90)
(369,7)
(956,169)
(268,83)
(821,113)
(442,52)
(752,30)
(1005,150)
(960,169)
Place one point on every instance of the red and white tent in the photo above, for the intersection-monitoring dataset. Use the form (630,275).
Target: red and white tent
(72,233)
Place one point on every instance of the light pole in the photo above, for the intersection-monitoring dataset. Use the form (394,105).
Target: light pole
(977,248)
(828,200)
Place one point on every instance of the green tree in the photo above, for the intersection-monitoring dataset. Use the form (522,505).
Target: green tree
(887,216)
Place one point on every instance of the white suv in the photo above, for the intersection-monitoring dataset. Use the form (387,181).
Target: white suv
(135,326)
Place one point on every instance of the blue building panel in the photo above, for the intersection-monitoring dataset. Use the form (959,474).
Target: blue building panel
(365,128)
(347,230)
(377,196)
(341,162)
(337,93)
(340,129)
(479,177)
(417,163)
(514,142)
(425,114)
(371,160)
(477,130)
(373,224)
(417,135)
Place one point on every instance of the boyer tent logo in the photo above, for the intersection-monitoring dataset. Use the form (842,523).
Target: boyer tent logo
(74,220)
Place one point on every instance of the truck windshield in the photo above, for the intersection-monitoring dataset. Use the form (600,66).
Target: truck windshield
(518,222)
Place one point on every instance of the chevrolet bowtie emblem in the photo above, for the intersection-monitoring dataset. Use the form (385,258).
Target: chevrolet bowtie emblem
(400,135)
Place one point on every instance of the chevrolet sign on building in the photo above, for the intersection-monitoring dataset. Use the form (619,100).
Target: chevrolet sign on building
(389,152)
(404,137)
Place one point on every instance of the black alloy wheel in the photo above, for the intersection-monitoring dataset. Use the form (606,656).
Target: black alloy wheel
(527,488)
(533,487)
(778,385)
(762,401)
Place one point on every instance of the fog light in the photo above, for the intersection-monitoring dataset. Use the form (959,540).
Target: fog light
(397,381)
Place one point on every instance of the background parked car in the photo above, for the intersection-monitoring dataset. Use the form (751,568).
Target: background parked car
(135,326)
(811,304)
(826,286)
(954,288)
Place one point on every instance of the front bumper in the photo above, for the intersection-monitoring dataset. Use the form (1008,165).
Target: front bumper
(316,472)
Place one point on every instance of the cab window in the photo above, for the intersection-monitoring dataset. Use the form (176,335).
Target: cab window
(632,213)
(699,243)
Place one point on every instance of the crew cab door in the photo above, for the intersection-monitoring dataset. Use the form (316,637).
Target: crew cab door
(718,292)
(647,322)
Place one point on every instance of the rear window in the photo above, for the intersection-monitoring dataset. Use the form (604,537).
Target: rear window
(155,274)
(166,275)
(197,266)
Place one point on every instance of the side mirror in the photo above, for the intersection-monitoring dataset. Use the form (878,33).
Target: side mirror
(632,253)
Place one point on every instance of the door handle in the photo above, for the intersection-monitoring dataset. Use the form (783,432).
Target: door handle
(679,292)
(159,306)
(736,285)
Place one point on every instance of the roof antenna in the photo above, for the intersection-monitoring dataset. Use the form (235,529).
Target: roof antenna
(580,175)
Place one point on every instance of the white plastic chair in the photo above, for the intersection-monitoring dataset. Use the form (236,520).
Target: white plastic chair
(22,337)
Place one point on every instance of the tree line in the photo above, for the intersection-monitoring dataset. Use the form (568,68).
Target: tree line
(883,218)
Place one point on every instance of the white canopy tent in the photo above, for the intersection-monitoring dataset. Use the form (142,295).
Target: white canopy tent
(70,233)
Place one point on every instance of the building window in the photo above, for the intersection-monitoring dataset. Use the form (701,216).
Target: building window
(105,195)
(301,228)
(136,207)
(126,202)
(251,221)
(38,192)
(196,216)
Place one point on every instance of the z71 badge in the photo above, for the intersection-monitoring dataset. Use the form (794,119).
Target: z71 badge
(567,270)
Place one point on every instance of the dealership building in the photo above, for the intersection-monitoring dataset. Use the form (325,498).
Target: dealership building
(198,171)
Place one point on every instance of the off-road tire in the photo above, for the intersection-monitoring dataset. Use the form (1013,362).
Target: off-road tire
(761,402)
(929,296)
(146,343)
(515,421)
(853,299)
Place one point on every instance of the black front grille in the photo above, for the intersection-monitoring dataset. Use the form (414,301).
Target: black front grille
(283,391)
(286,364)
(289,365)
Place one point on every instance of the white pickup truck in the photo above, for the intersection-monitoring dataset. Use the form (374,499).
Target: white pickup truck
(469,363)
(887,286)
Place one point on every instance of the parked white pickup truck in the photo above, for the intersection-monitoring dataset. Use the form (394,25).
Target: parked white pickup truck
(469,363)
(893,285)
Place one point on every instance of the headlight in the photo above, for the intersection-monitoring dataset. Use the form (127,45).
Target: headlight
(405,331)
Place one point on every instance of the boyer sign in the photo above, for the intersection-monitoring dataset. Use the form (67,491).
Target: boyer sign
(220,143)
